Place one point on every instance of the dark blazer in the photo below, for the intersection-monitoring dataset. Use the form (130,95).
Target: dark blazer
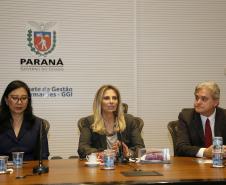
(190,136)
(27,141)
(90,141)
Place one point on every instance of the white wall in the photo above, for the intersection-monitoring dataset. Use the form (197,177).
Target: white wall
(179,44)
(155,52)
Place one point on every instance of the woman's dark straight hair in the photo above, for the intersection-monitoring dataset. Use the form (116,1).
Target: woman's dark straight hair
(5,114)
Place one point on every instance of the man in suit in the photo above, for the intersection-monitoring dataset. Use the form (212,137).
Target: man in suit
(197,126)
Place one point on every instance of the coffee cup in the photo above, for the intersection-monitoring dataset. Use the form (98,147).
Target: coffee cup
(3,163)
(92,158)
(18,159)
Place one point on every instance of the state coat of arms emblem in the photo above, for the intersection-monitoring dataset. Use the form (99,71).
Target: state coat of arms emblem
(41,41)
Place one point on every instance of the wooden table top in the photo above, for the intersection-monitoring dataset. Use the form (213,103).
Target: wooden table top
(181,170)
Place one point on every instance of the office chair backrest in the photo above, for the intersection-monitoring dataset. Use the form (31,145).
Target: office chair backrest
(173,127)
(46,125)
(56,157)
(80,122)
(140,123)
(125,107)
(73,157)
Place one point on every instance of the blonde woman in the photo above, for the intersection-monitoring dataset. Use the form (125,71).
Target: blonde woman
(108,126)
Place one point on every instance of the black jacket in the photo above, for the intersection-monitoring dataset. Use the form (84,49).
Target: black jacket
(190,136)
(27,141)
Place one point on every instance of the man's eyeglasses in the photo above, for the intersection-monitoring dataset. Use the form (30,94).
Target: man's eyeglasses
(16,99)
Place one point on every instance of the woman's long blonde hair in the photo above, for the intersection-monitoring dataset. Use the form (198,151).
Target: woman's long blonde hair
(98,125)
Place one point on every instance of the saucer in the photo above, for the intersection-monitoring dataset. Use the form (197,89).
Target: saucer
(8,171)
(92,164)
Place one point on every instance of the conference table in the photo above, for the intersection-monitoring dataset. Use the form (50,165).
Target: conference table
(180,170)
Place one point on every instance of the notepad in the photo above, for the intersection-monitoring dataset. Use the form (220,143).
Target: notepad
(154,162)
(141,173)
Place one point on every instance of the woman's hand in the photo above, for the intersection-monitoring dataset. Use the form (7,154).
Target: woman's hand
(125,148)
(100,157)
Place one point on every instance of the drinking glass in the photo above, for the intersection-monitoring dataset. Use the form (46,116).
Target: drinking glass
(18,159)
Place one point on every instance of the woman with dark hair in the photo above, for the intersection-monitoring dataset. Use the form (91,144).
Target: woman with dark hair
(19,127)
(109,127)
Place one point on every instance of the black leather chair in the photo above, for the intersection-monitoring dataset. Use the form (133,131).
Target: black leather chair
(56,157)
(140,123)
(80,122)
(138,120)
(125,107)
(173,127)
(46,125)
(73,157)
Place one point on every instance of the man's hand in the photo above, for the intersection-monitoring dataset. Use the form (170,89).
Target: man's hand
(208,152)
